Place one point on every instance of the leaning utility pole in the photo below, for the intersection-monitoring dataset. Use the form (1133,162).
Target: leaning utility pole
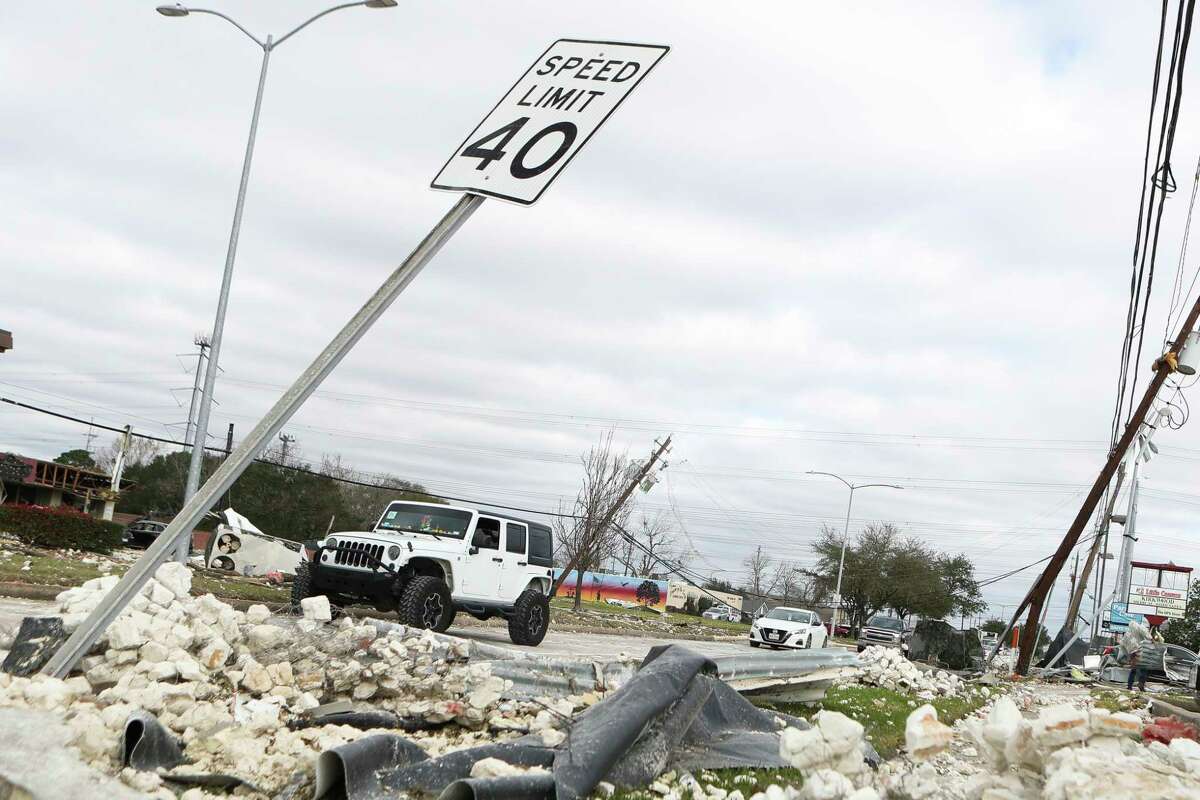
(200,341)
(1036,597)
(1094,551)
(611,513)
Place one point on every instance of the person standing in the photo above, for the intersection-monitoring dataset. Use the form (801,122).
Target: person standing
(1132,642)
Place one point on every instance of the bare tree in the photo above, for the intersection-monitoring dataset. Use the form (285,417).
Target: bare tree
(790,583)
(141,451)
(660,550)
(605,476)
(758,568)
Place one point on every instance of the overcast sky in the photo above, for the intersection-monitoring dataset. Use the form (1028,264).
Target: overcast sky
(891,243)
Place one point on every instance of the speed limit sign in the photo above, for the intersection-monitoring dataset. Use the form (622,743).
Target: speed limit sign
(546,118)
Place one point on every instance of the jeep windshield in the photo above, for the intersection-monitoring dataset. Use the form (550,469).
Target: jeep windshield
(433,520)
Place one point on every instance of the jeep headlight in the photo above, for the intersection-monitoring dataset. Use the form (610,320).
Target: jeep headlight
(331,543)
(394,552)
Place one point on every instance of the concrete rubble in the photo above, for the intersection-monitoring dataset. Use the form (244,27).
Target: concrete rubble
(228,682)
(887,667)
(1014,750)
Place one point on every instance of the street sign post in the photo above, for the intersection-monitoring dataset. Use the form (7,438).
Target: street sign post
(548,115)
(529,162)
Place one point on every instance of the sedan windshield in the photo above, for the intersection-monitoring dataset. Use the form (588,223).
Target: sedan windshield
(435,520)
(790,615)
(887,623)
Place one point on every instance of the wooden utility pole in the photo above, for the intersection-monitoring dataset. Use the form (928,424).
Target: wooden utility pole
(611,513)
(1097,543)
(1036,598)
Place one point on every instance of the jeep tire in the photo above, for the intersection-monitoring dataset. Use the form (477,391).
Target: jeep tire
(426,603)
(530,618)
(302,586)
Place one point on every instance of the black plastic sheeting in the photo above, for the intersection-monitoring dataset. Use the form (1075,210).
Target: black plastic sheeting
(674,713)
(1074,654)
(35,642)
(147,744)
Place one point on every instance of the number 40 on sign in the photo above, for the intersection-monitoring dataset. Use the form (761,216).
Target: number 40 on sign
(535,130)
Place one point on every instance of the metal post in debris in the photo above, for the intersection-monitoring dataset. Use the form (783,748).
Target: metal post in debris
(118,468)
(264,432)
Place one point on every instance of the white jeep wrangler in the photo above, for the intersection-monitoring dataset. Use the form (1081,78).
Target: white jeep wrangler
(430,561)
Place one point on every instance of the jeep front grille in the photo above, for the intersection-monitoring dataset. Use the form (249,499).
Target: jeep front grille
(358,554)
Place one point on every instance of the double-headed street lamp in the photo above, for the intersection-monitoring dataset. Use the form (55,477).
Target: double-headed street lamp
(214,352)
(846,531)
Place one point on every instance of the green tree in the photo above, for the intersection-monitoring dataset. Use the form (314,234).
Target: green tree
(864,584)
(76,458)
(993,626)
(885,570)
(1185,632)
(958,576)
(913,583)
(293,503)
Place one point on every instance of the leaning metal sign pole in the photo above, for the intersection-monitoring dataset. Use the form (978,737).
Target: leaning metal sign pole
(555,108)
(263,433)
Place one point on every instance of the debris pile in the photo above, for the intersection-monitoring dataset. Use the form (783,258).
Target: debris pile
(887,667)
(830,755)
(239,688)
(1064,753)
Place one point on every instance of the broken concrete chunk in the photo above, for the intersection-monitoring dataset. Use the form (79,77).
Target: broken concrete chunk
(126,634)
(1107,723)
(924,736)
(1060,725)
(214,654)
(825,784)
(840,732)
(316,608)
(263,637)
(257,614)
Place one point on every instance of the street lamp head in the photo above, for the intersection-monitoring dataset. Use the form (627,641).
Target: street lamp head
(172,11)
(380,4)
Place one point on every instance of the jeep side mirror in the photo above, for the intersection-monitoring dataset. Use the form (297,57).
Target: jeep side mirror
(472,550)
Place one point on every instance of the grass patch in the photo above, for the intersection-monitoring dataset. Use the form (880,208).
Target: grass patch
(49,570)
(566,606)
(46,570)
(882,712)
(1116,699)
(235,589)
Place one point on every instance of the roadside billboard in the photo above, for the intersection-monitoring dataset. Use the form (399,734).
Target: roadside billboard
(601,587)
(1158,590)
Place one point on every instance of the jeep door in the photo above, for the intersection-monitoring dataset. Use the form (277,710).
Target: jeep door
(514,571)
(481,567)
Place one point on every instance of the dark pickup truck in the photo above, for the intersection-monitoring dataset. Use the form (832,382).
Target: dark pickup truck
(883,631)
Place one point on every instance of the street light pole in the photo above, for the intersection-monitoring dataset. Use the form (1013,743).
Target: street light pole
(200,434)
(846,532)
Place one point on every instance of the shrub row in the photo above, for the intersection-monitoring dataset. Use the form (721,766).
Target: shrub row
(59,528)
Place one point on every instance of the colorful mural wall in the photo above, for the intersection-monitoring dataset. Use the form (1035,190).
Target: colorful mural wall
(600,587)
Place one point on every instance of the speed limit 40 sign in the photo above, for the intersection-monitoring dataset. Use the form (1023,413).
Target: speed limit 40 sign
(546,118)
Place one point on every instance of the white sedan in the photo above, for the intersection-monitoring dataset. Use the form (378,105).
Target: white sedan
(788,627)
